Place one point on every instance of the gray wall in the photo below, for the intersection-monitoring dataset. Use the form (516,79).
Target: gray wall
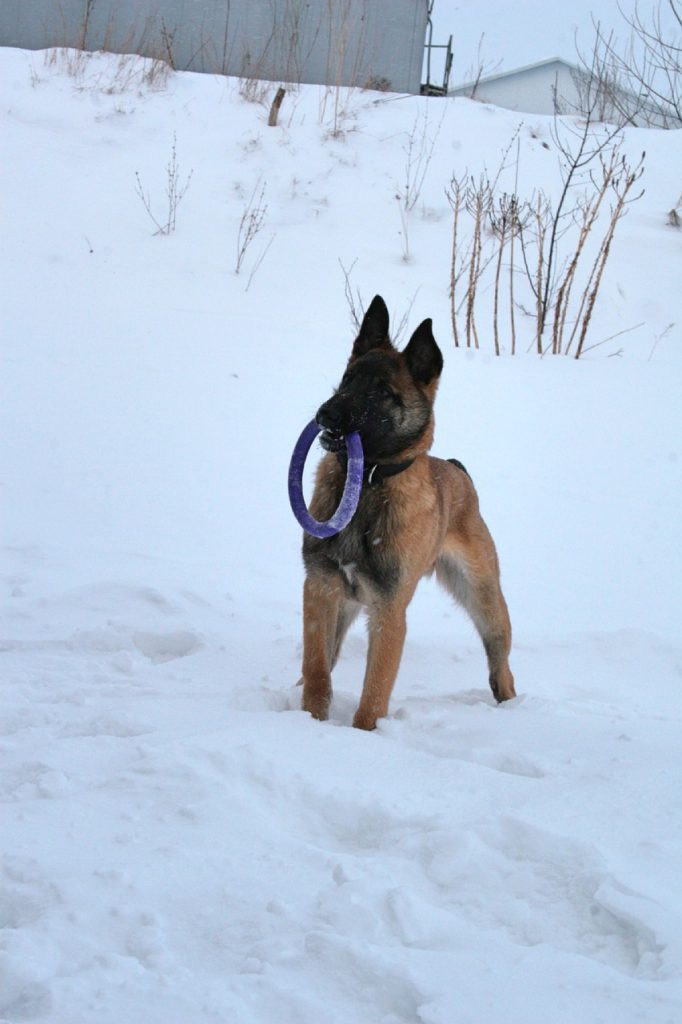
(337,42)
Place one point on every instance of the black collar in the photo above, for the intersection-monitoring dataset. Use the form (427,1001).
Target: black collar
(376,473)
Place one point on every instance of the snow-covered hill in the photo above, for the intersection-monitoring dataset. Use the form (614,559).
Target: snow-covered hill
(180,843)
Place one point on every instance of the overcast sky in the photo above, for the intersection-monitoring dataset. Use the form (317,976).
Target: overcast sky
(518,32)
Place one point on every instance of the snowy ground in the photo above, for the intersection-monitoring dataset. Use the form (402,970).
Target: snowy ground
(180,843)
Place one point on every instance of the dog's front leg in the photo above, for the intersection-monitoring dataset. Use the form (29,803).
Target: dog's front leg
(322,597)
(386,639)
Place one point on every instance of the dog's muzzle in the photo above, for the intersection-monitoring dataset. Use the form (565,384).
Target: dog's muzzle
(330,417)
(333,440)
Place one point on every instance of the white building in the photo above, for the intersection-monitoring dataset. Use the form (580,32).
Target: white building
(556,85)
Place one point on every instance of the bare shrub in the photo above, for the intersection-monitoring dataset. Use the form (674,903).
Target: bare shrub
(472,203)
(336,109)
(167,43)
(251,225)
(252,86)
(377,83)
(123,72)
(137,73)
(343,64)
(646,69)
(356,306)
(175,193)
(418,150)
(481,68)
(253,90)
(558,283)
(579,148)
(70,61)
(619,177)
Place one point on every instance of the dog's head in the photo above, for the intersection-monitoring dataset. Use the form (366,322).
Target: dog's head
(385,395)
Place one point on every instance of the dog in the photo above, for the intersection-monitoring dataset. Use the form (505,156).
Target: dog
(416,515)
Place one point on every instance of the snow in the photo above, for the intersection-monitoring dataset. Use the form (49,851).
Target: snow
(180,843)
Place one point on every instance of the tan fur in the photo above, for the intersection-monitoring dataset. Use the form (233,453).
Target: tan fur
(428,521)
(438,520)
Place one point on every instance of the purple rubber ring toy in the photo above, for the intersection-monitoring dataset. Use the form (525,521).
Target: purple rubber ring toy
(351,491)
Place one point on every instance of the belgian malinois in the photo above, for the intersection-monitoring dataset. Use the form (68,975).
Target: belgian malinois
(416,515)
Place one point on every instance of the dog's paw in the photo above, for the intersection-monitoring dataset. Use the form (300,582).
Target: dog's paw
(317,704)
(502,685)
(363,720)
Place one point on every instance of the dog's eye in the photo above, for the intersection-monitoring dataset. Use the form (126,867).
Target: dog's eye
(386,392)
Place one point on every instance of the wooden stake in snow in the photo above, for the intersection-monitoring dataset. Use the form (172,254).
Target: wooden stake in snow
(274,109)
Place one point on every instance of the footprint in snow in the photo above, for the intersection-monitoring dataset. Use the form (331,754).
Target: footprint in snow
(21,996)
(544,889)
(160,647)
(107,725)
(18,909)
(24,898)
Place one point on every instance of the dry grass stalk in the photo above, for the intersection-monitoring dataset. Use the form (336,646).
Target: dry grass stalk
(541,234)
(622,186)
(478,200)
(503,216)
(418,155)
(252,222)
(175,193)
(355,303)
(455,195)
(514,229)
(254,90)
(589,211)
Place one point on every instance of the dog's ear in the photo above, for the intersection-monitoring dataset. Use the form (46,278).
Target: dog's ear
(374,329)
(422,355)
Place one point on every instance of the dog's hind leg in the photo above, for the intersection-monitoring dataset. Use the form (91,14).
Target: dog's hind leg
(471,574)
(322,599)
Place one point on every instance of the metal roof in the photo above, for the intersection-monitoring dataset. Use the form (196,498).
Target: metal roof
(519,71)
